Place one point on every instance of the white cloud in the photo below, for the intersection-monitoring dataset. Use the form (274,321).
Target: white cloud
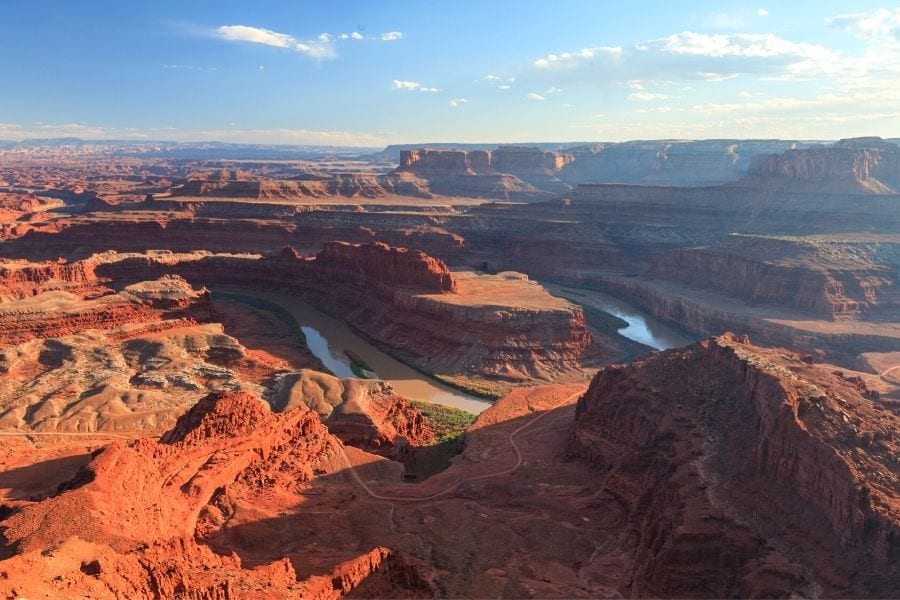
(835,84)
(189,68)
(762,12)
(801,126)
(255,35)
(319,49)
(406,85)
(646,96)
(692,55)
(715,77)
(745,45)
(502,83)
(867,99)
(656,109)
(457,101)
(567,60)
(534,96)
(882,23)
(553,90)
(412,86)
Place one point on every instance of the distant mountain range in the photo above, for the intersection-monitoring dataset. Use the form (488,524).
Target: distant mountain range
(191,150)
(389,154)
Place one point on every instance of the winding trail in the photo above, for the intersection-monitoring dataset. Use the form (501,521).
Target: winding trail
(888,371)
(510,438)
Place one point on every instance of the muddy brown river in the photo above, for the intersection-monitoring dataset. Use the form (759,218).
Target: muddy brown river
(333,342)
(330,340)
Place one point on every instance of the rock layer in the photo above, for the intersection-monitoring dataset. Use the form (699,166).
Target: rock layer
(509,172)
(832,279)
(497,326)
(21,279)
(855,166)
(59,313)
(343,185)
(379,265)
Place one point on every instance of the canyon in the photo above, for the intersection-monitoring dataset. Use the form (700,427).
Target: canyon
(659,162)
(244,372)
(649,461)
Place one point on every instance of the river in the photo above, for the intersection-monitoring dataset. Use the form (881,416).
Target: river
(331,339)
(641,327)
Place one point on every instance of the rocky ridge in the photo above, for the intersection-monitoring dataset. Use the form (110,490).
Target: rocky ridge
(715,446)
(144,518)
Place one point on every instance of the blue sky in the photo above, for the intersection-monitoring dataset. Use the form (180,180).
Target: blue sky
(371,73)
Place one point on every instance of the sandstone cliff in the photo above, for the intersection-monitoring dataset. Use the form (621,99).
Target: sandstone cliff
(20,280)
(855,166)
(667,162)
(656,162)
(379,265)
(343,185)
(509,172)
(540,169)
(449,162)
(832,279)
(456,324)
(747,471)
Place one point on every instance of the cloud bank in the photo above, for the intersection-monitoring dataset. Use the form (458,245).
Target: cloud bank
(323,47)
